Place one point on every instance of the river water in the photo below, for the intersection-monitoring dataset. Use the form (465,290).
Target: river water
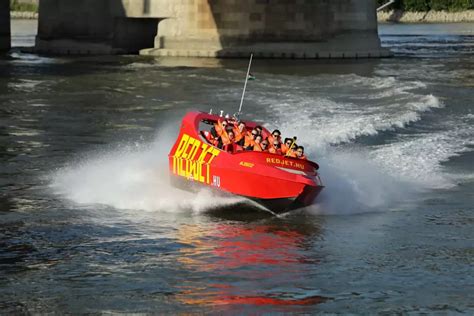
(89,223)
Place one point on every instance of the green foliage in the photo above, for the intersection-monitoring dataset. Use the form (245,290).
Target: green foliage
(16,5)
(416,5)
(426,5)
(452,5)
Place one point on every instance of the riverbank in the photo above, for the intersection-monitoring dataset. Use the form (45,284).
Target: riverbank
(23,15)
(426,17)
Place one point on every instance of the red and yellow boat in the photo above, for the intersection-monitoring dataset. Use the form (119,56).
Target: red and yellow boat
(276,182)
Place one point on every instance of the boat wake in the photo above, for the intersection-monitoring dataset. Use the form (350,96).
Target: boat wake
(358,177)
(132,177)
(135,177)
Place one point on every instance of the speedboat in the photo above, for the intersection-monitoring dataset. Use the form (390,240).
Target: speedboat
(276,182)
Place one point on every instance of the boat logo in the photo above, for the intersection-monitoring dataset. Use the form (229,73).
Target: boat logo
(246,164)
(285,162)
(192,159)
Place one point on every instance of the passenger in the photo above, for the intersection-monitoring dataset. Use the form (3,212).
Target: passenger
(250,139)
(264,145)
(292,151)
(300,153)
(240,131)
(229,146)
(218,128)
(257,143)
(275,148)
(286,145)
(208,136)
(259,129)
(224,138)
(276,135)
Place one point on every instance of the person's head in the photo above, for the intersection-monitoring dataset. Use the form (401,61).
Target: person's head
(299,151)
(254,133)
(241,126)
(231,135)
(258,139)
(276,144)
(288,142)
(264,144)
(259,129)
(225,123)
(276,133)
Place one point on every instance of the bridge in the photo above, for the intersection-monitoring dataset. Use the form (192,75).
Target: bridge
(208,28)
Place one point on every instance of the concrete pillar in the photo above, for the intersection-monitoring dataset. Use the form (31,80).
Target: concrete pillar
(5,39)
(267,28)
(95,26)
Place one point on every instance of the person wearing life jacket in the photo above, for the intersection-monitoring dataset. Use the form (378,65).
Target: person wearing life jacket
(300,153)
(259,129)
(257,143)
(218,128)
(224,138)
(208,136)
(292,151)
(240,132)
(286,145)
(250,139)
(229,146)
(264,145)
(276,135)
(275,148)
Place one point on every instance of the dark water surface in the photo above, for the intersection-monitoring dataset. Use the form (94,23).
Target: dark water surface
(89,223)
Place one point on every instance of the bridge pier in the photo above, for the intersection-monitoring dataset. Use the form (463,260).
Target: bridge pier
(94,27)
(211,28)
(5,37)
(268,29)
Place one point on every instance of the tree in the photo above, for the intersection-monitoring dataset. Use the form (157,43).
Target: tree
(417,5)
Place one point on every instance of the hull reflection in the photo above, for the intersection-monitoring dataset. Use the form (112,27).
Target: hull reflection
(240,258)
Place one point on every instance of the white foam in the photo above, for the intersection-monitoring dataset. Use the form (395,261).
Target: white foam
(131,177)
(372,178)
(341,123)
(324,121)
(369,179)
(354,184)
(418,158)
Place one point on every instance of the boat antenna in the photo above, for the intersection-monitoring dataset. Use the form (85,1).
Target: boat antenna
(245,86)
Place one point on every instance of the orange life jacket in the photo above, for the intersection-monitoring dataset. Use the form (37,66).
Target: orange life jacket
(272,139)
(249,141)
(239,134)
(274,150)
(225,138)
(291,153)
(220,129)
(284,149)
(257,147)
(303,157)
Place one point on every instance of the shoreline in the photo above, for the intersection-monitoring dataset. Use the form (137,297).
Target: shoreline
(398,16)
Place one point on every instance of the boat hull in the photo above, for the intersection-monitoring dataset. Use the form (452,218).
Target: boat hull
(275,205)
(284,205)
